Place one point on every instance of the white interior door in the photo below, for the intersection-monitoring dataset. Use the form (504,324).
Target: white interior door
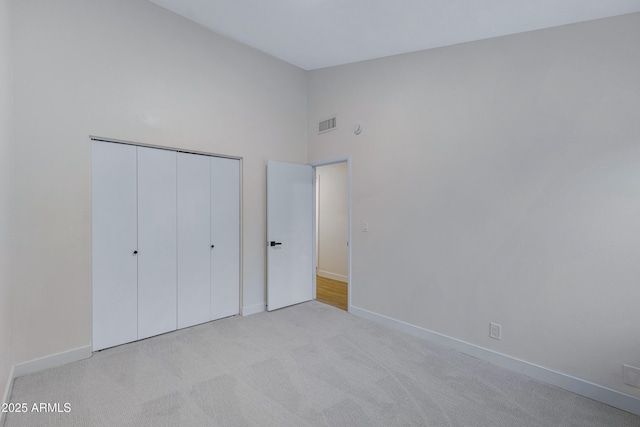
(225,237)
(194,245)
(289,234)
(114,236)
(157,300)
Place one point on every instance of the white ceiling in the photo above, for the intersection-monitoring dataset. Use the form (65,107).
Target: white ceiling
(321,33)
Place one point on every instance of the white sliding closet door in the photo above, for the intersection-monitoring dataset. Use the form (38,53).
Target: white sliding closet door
(166,241)
(114,211)
(157,299)
(225,236)
(194,239)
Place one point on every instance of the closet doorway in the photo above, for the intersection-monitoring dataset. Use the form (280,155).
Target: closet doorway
(332,234)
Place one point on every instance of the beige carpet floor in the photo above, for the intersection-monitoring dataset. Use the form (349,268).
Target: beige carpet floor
(307,365)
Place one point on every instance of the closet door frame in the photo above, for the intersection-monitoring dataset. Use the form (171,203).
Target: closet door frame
(241,197)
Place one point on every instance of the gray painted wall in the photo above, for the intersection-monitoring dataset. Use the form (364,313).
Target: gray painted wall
(500,183)
(6,194)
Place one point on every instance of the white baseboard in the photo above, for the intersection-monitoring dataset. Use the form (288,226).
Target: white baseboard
(7,393)
(567,382)
(248,310)
(47,362)
(334,276)
(52,361)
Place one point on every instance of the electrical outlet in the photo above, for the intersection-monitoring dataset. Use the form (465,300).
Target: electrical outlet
(495,331)
(631,375)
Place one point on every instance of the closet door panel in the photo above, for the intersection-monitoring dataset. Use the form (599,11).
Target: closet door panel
(194,241)
(157,264)
(225,235)
(114,240)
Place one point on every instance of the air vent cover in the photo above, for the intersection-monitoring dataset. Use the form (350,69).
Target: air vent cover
(327,125)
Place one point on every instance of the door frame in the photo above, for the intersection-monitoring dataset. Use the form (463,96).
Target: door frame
(314,165)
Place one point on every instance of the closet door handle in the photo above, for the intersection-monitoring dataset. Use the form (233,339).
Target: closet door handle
(135,252)
(213,246)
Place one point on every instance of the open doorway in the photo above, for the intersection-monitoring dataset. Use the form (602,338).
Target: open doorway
(332,234)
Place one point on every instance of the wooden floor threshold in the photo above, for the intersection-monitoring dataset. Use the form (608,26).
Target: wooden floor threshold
(332,292)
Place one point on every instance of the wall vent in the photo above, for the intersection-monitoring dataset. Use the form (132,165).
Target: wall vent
(327,125)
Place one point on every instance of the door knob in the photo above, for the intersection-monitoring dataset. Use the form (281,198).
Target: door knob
(213,246)
(275,243)
(135,252)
